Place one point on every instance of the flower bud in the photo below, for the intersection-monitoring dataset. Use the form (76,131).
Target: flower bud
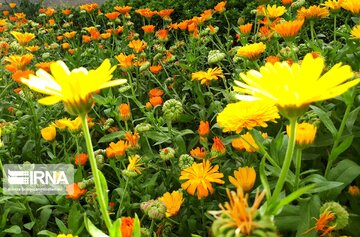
(143,127)
(167,153)
(172,109)
(185,161)
(215,56)
(341,219)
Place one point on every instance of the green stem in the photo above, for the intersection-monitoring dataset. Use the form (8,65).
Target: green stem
(312,31)
(335,28)
(298,156)
(95,171)
(338,135)
(287,161)
(122,196)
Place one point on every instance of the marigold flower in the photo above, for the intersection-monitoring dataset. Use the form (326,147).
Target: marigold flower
(137,45)
(173,202)
(156,69)
(123,9)
(125,61)
(246,142)
(76,86)
(207,77)
(305,133)
(289,29)
(86,38)
(127,226)
(112,15)
(352,6)
(145,12)
(125,112)
(66,11)
(286,2)
(134,164)
(218,147)
(70,35)
(355,32)
(81,159)
(354,190)
(274,11)
(17,75)
(244,114)
(148,28)
(32,49)
(64,235)
(155,92)
(165,14)
(322,224)
(220,7)
(48,133)
(156,100)
(203,129)
(288,86)
(74,191)
(17,62)
(333,4)
(22,38)
(313,12)
(241,218)
(272,59)
(116,149)
(251,51)
(162,35)
(89,7)
(198,153)
(244,177)
(132,139)
(199,178)
(245,29)
(49,11)
(12,5)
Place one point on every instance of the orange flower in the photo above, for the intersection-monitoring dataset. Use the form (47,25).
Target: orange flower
(218,147)
(198,153)
(244,177)
(22,38)
(71,51)
(49,11)
(4,48)
(67,45)
(272,59)
(125,61)
(17,75)
(246,142)
(17,62)
(89,7)
(173,202)
(206,15)
(199,178)
(245,29)
(127,226)
(125,112)
(12,5)
(354,190)
(74,191)
(86,38)
(289,29)
(66,11)
(286,2)
(183,25)
(137,45)
(116,149)
(105,36)
(48,133)
(32,49)
(148,28)
(203,129)
(155,92)
(208,76)
(156,69)
(220,7)
(124,10)
(162,35)
(51,22)
(165,14)
(251,51)
(157,100)
(81,159)
(70,35)
(322,224)
(112,15)
(6,13)
(145,12)
(313,12)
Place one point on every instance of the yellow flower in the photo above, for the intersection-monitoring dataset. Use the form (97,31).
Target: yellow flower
(355,32)
(251,51)
(305,133)
(244,114)
(199,178)
(312,12)
(288,86)
(173,202)
(116,149)
(68,235)
(61,123)
(22,38)
(274,11)
(238,215)
(244,177)
(206,77)
(288,29)
(333,4)
(48,133)
(134,164)
(125,61)
(74,87)
(352,6)
(137,45)
(246,142)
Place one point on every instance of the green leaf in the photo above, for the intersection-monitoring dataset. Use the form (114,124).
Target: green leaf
(136,230)
(352,118)
(29,225)
(74,219)
(344,145)
(39,199)
(115,229)
(104,187)
(92,229)
(15,229)
(99,99)
(325,119)
(345,171)
(47,233)
(61,225)
(309,211)
(263,178)
(288,219)
(111,137)
(322,184)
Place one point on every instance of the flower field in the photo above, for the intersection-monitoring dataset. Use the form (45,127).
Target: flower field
(241,120)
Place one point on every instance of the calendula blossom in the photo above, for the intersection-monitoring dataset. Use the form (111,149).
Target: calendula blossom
(173,202)
(251,51)
(288,86)
(209,75)
(355,32)
(352,6)
(22,38)
(288,29)
(74,88)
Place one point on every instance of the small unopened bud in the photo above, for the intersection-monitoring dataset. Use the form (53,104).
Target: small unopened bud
(167,153)
(185,161)
(172,109)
